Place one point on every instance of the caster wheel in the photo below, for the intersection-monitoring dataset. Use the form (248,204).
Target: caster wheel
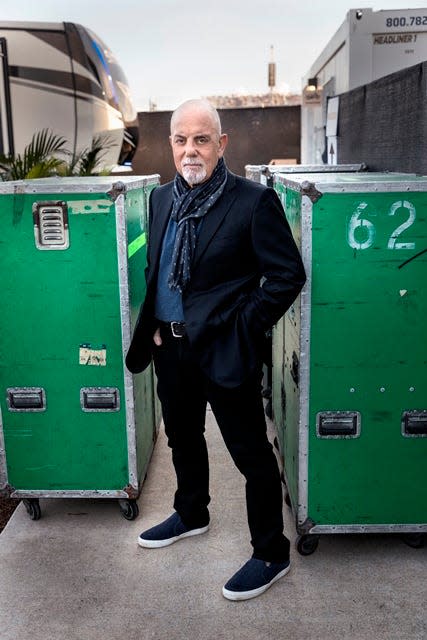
(33,508)
(288,500)
(306,545)
(129,509)
(414,540)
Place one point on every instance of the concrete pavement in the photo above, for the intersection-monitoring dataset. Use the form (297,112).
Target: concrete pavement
(78,574)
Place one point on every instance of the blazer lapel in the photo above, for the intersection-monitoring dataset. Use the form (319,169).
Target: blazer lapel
(158,226)
(214,217)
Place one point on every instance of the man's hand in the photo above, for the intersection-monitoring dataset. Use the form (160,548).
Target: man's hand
(157,339)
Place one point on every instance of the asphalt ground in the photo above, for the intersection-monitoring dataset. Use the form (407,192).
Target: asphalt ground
(78,573)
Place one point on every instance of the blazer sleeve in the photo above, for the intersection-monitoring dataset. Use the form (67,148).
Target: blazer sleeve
(279,261)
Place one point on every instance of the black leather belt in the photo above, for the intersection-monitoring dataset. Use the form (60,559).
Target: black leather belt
(175,329)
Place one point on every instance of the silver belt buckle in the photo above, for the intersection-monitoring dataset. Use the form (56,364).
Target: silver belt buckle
(177,329)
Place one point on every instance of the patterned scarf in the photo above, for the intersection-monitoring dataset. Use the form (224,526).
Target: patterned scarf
(189,205)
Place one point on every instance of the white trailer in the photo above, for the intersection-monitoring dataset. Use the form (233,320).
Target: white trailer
(367,46)
(62,77)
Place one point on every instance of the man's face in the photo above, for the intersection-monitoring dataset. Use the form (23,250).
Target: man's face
(196,145)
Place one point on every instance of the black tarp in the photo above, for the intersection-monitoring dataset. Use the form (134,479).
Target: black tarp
(384,123)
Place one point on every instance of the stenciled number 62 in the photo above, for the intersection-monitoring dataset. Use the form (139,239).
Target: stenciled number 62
(365,229)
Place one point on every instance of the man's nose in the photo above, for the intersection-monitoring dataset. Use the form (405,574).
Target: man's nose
(190,148)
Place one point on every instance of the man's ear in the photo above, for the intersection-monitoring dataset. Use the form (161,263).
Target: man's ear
(223,141)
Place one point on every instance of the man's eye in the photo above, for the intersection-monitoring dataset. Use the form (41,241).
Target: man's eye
(179,141)
(202,140)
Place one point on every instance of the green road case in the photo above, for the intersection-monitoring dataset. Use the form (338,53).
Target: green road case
(273,384)
(73,421)
(354,377)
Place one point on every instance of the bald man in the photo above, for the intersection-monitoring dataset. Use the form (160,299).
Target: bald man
(222,269)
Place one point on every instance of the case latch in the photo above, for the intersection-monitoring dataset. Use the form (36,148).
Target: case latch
(414,423)
(100,399)
(26,399)
(338,424)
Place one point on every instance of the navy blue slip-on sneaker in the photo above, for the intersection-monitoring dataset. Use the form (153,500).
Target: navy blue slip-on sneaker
(255,577)
(167,532)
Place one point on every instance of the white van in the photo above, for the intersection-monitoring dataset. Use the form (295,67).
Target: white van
(62,77)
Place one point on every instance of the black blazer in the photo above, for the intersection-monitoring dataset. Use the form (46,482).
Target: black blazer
(246,273)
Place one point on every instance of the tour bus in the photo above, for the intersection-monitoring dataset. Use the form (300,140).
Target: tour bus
(62,77)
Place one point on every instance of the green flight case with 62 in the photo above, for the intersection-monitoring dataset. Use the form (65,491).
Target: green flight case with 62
(73,422)
(353,379)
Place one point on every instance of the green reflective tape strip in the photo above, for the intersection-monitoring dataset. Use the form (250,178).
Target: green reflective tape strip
(136,245)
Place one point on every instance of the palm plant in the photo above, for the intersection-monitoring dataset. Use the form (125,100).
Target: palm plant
(40,158)
(87,162)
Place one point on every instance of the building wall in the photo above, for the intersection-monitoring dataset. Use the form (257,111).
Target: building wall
(384,123)
(256,136)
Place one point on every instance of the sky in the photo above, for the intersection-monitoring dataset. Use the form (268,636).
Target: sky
(173,50)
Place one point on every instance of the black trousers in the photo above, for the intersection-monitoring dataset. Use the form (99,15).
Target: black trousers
(184,392)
